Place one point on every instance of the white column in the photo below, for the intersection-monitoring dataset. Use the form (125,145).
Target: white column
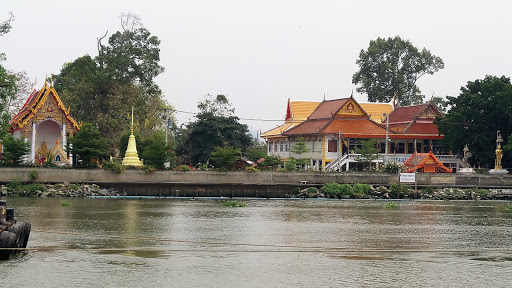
(33,150)
(64,136)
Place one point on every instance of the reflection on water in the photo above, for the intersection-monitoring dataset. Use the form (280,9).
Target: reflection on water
(268,243)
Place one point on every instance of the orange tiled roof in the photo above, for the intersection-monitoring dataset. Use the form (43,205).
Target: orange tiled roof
(279,129)
(420,160)
(423,128)
(327,109)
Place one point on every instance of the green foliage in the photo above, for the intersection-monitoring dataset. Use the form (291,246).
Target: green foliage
(363,189)
(312,192)
(391,168)
(271,161)
(14,150)
(114,167)
(157,152)
(331,189)
(14,185)
(33,175)
(66,204)
(103,89)
(346,190)
(147,169)
(296,190)
(251,169)
(225,157)
(368,151)
(74,187)
(183,168)
(233,204)
(88,145)
(483,107)
(291,164)
(255,153)
(214,127)
(391,205)
(391,67)
(300,148)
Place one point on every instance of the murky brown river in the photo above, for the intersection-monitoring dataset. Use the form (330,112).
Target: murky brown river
(268,243)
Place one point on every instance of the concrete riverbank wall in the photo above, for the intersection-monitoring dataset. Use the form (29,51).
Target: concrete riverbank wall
(265,184)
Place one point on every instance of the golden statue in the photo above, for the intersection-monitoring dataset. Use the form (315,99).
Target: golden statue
(499,155)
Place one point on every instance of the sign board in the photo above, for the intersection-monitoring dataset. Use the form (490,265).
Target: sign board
(407,177)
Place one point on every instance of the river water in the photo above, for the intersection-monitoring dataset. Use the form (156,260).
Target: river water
(268,243)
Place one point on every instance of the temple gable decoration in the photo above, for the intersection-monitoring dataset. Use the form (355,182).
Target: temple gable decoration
(45,119)
(425,162)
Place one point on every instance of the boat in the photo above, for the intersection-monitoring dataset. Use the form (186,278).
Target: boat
(13,233)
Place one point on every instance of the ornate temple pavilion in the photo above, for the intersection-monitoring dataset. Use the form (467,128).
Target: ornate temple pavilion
(334,129)
(45,123)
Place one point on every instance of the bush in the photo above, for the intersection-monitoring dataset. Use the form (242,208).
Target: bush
(392,168)
(14,185)
(312,192)
(33,175)
(31,189)
(147,169)
(391,205)
(183,168)
(331,189)
(114,167)
(296,190)
(346,189)
(362,189)
(251,169)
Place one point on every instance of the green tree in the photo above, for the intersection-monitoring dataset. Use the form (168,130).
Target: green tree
(271,161)
(212,129)
(256,152)
(102,90)
(483,107)
(300,148)
(14,150)
(157,152)
(392,67)
(368,151)
(225,157)
(8,86)
(87,145)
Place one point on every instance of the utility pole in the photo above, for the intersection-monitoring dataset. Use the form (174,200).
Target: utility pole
(387,138)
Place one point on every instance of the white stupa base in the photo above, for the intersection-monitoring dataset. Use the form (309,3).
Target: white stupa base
(498,171)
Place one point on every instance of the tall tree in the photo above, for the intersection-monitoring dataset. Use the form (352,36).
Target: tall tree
(368,151)
(225,157)
(300,148)
(392,67)
(157,152)
(8,86)
(483,107)
(103,89)
(214,128)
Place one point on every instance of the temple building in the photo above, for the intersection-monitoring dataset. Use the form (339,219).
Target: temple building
(45,123)
(334,129)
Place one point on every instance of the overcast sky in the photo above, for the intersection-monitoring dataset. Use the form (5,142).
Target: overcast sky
(260,53)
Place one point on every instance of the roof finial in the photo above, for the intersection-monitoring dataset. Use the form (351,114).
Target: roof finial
(46,80)
(51,81)
(132,120)
(324,96)
(352,94)
(432,98)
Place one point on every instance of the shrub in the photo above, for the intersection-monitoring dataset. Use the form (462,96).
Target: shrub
(331,189)
(30,189)
(147,169)
(251,169)
(65,204)
(183,168)
(296,190)
(312,192)
(346,189)
(391,168)
(14,185)
(391,205)
(114,167)
(33,175)
(362,189)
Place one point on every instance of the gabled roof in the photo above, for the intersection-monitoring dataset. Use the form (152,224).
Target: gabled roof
(279,130)
(300,110)
(410,113)
(327,109)
(34,104)
(426,161)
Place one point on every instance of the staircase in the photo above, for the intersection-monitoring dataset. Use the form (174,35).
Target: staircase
(336,164)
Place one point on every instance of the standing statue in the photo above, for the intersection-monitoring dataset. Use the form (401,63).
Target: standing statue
(499,155)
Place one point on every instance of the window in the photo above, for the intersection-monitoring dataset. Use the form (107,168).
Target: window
(332,145)
(400,148)
(269,146)
(410,147)
(281,144)
(313,146)
(275,146)
(286,145)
